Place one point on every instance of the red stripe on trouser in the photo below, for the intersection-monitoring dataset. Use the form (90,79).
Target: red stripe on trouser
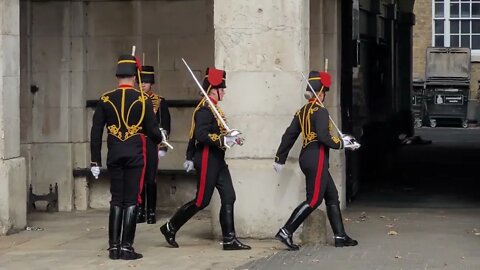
(318,177)
(203,176)
(156,169)
(142,177)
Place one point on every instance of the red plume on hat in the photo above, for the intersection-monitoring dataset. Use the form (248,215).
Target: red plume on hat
(138,63)
(214,78)
(326,79)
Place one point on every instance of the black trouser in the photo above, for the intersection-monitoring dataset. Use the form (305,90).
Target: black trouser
(319,182)
(150,186)
(319,185)
(125,163)
(212,173)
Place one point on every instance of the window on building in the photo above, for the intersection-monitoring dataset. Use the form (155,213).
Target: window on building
(456,23)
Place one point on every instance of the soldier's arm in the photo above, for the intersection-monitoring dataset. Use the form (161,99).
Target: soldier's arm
(190,150)
(288,140)
(150,125)
(165,115)
(203,128)
(96,134)
(321,121)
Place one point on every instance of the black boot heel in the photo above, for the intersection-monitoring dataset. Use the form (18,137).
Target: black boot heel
(286,238)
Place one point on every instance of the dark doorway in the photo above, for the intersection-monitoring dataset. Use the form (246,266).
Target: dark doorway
(390,170)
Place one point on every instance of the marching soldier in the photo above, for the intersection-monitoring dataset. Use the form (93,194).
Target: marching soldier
(127,113)
(208,143)
(312,121)
(154,152)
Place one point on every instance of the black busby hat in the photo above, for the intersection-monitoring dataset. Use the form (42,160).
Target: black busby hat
(214,78)
(317,80)
(147,74)
(126,66)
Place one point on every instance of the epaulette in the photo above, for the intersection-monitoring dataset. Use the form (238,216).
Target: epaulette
(108,92)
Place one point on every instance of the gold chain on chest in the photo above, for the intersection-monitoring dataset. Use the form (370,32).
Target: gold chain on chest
(131,130)
(305,115)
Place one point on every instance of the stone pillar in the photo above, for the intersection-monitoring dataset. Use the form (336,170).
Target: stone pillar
(263,46)
(325,43)
(13,188)
(79,133)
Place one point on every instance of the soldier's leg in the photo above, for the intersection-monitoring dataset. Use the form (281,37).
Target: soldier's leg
(151,189)
(313,165)
(134,172)
(227,197)
(116,210)
(207,168)
(151,181)
(335,215)
(141,218)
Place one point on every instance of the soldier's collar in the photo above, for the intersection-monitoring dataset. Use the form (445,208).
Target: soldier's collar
(215,101)
(125,86)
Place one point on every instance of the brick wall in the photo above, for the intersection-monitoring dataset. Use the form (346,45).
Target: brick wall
(422,35)
(422,38)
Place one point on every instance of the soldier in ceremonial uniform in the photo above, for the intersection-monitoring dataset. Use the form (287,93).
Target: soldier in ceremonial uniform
(154,152)
(208,143)
(312,121)
(128,114)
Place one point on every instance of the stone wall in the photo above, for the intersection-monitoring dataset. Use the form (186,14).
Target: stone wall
(13,188)
(69,53)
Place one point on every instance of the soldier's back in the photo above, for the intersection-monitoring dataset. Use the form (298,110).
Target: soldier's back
(125,112)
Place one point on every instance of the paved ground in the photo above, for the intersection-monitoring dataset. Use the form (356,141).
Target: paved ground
(393,238)
(79,241)
(424,238)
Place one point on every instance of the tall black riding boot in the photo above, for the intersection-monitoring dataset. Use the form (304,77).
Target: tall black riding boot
(335,217)
(151,203)
(141,208)
(128,235)
(286,232)
(114,231)
(183,214)
(230,241)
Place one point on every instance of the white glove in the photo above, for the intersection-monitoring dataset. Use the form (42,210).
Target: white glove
(349,142)
(278,167)
(230,141)
(234,132)
(188,165)
(161,153)
(164,134)
(348,137)
(95,171)
(352,145)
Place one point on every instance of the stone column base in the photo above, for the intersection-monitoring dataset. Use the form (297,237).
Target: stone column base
(81,193)
(315,229)
(13,195)
(265,199)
